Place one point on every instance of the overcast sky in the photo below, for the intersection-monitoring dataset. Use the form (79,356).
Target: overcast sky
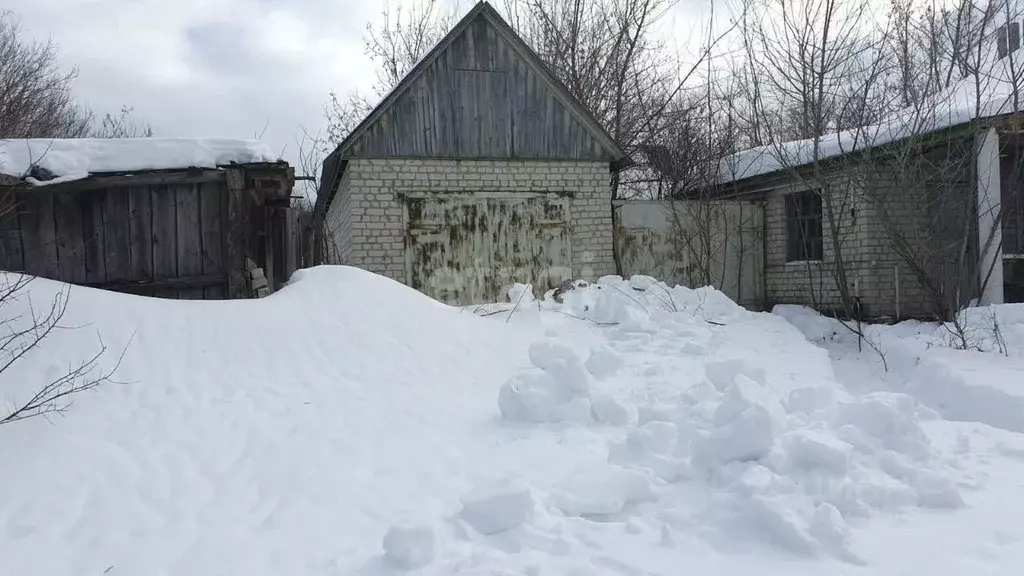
(213,68)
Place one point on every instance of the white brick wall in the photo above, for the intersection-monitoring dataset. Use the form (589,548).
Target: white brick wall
(365,219)
(870,262)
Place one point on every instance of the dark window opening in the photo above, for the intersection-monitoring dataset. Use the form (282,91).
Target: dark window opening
(803,227)
(1001,42)
(1014,40)
(1013,281)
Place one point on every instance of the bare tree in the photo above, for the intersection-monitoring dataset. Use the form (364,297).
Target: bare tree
(610,55)
(36,99)
(932,223)
(405,33)
(123,125)
(23,331)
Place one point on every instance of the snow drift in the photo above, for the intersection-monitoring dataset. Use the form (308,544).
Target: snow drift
(349,425)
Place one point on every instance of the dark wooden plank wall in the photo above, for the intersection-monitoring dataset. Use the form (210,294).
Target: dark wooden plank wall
(11,255)
(212,200)
(173,238)
(161,240)
(479,99)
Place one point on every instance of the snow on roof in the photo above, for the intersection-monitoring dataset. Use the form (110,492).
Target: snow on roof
(988,95)
(78,158)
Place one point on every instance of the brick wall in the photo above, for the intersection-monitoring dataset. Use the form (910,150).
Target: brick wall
(865,205)
(366,218)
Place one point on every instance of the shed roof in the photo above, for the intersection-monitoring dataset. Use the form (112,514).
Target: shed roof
(334,165)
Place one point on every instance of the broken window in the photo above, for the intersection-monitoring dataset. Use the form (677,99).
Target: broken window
(803,227)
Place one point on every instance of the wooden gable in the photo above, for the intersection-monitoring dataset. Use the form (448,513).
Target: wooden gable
(481,93)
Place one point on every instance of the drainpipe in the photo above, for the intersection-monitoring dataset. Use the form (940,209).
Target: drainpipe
(764,254)
(896,274)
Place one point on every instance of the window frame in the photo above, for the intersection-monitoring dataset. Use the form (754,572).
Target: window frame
(804,221)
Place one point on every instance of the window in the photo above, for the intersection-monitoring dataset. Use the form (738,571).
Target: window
(803,227)
(1008,38)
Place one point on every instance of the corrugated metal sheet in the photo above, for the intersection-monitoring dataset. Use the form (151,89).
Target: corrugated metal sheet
(466,248)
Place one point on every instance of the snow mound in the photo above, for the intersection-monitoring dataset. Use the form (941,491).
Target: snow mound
(635,303)
(73,158)
(303,432)
(757,422)
(966,386)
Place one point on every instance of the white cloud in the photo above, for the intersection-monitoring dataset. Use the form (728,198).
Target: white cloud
(219,68)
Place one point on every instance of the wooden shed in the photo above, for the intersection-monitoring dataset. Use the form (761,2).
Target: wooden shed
(188,233)
(479,169)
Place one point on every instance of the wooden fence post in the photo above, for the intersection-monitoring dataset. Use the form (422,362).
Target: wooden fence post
(234,232)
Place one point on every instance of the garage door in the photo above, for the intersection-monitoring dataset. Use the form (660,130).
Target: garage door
(464,248)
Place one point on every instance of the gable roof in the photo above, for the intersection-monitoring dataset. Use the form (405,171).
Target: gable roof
(334,165)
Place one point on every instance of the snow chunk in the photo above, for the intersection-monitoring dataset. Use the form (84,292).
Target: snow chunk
(556,389)
(780,524)
(520,293)
(604,362)
(410,547)
(602,491)
(722,373)
(749,436)
(498,507)
(887,417)
(653,447)
(641,282)
(81,157)
(810,399)
(807,449)
(611,411)
(746,423)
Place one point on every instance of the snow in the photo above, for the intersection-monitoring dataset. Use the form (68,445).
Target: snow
(350,425)
(78,158)
(498,507)
(409,547)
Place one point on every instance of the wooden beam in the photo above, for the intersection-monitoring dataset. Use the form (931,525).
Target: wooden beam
(136,179)
(168,284)
(234,233)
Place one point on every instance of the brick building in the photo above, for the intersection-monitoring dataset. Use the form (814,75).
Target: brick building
(477,170)
(919,226)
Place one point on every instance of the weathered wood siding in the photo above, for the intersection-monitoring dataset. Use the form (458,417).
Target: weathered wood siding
(170,237)
(481,98)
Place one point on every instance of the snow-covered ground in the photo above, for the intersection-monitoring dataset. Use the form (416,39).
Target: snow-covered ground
(349,425)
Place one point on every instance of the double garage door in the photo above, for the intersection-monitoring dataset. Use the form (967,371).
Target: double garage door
(464,248)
